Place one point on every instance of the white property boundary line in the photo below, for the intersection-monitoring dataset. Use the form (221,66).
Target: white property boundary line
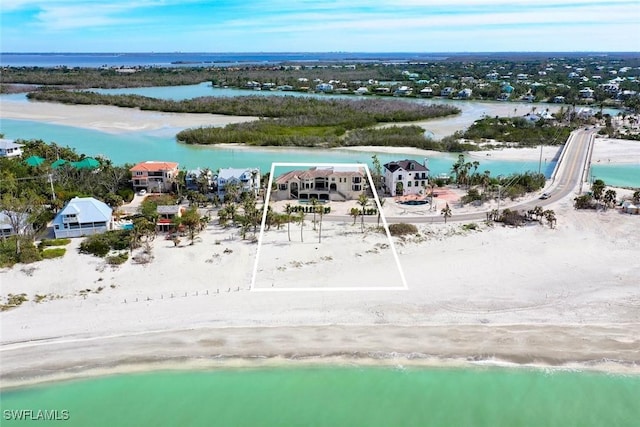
(252,288)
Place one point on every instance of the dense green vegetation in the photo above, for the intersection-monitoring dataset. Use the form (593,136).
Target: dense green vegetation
(517,130)
(85,78)
(109,183)
(307,111)
(101,244)
(285,121)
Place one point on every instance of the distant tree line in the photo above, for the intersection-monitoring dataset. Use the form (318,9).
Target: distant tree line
(85,78)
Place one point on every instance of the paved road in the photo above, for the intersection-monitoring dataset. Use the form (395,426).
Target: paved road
(567,178)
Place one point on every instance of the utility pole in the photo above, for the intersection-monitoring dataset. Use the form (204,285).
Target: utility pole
(53,193)
(540,161)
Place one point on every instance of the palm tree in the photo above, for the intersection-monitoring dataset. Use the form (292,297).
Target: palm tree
(446,211)
(314,206)
(550,216)
(597,189)
(354,212)
(610,198)
(321,213)
(381,200)
(538,212)
(288,218)
(301,220)
(475,165)
(191,220)
(363,201)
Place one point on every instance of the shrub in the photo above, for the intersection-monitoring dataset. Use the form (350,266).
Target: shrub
(53,253)
(96,245)
(126,194)
(13,301)
(28,254)
(53,242)
(470,226)
(101,244)
(118,259)
(402,228)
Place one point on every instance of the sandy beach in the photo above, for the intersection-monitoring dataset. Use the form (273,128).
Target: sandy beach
(111,119)
(551,297)
(616,151)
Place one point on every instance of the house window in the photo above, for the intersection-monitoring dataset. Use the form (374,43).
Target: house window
(356,187)
(416,183)
(408,183)
(399,177)
(424,183)
(282,186)
(138,173)
(356,179)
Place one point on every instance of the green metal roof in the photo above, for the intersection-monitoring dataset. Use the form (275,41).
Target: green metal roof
(34,161)
(58,163)
(86,163)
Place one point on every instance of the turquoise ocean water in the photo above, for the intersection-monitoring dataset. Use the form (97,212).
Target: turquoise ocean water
(340,396)
(133,147)
(161,145)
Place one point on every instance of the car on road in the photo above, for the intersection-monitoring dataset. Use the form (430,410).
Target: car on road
(142,192)
(545,196)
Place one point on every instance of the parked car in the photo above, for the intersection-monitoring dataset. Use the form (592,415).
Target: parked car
(142,192)
(545,196)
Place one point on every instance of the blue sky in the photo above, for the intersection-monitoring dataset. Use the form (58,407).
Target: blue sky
(318,26)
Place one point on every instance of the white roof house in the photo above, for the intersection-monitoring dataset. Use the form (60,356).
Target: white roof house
(8,148)
(82,216)
(405,177)
(6,228)
(247,179)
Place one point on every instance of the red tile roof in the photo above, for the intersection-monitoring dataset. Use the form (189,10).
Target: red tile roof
(153,166)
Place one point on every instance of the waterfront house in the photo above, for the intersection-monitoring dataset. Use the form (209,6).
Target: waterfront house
(154,176)
(324,87)
(247,180)
(9,219)
(427,91)
(166,216)
(8,148)
(586,93)
(403,91)
(405,177)
(465,93)
(82,216)
(447,91)
(199,180)
(324,184)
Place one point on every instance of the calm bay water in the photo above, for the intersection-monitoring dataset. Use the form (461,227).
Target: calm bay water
(618,175)
(201,59)
(161,145)
(341,396)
